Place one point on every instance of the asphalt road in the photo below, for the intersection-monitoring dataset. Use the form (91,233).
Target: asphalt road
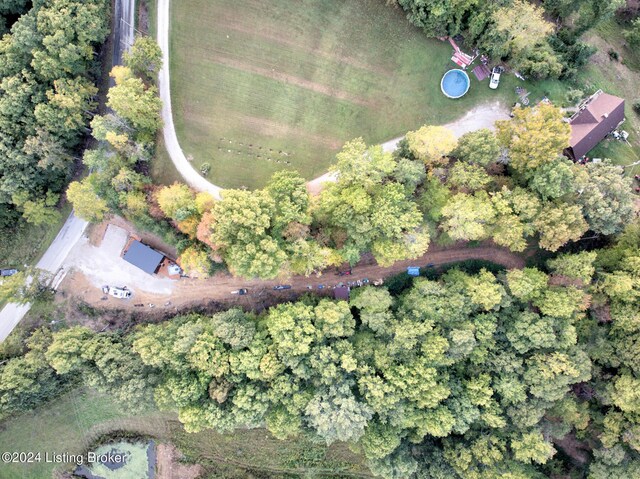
(74,227)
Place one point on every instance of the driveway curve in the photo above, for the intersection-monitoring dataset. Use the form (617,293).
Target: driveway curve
(190,175)
(482,116)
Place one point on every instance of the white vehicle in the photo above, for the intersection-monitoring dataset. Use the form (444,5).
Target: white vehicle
(120,293)
(495,78)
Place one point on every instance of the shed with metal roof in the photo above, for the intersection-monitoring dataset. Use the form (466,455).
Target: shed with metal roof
(143,257)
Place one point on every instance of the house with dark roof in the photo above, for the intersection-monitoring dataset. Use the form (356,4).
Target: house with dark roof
(143,256)
(596,117)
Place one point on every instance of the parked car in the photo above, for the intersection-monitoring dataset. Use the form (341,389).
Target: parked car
(240,292)
(8,272)
(282,286)
(495,78)
(120,293)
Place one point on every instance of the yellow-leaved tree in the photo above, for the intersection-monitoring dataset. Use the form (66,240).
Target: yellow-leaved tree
(432,144)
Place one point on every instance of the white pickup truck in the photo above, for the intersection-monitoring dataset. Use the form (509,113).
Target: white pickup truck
(120,293)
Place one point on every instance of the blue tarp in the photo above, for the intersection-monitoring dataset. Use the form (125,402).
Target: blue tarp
(413,271)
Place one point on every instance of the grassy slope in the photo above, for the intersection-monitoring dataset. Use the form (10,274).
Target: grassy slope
(161,169)
(238,68)
(72,422)
(619,78)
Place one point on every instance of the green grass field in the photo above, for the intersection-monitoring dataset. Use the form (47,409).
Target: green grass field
(259,87)
(72,422)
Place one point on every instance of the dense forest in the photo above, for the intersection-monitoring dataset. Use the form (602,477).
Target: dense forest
(48,68)
(525,374)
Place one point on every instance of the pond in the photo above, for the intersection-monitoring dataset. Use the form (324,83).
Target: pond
(121,460)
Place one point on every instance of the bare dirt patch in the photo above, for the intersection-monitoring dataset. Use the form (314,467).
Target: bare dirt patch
(190,293)
(143,17)
(573,448)
(95,233)
(169,467)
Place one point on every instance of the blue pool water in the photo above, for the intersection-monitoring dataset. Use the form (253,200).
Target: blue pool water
(455,83)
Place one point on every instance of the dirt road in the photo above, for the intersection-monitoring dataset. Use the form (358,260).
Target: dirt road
(192,292)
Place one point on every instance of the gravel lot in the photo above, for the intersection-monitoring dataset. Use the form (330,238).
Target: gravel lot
(103,265)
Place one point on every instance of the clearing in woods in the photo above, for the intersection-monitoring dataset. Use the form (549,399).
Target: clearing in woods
(260,87)
(73,422)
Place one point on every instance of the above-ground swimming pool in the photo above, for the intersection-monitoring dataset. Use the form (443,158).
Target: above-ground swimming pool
(455,83)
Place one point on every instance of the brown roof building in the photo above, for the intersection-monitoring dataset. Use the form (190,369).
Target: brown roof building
(598,116)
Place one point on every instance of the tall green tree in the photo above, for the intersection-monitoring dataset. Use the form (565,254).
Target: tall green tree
(479,147)
(144,58)
(134,102)
(432,144)
(534,136)
(366,210)
(606,198)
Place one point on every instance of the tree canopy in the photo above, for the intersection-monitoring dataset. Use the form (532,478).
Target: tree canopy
(47,88)
(464,376)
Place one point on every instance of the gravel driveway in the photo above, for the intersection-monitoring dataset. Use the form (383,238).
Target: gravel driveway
(103,265)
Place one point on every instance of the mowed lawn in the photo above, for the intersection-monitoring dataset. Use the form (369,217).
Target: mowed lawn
(261,86)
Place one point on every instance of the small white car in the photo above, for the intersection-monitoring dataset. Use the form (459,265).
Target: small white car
(495,78)
(120,293)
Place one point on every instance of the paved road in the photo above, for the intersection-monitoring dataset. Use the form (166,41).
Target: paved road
(483,116)
(123,31)
(74,227)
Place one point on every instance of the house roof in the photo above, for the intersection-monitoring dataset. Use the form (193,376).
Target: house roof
(144,257)
(600,115)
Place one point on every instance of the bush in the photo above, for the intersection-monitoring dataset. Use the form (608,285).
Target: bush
(205,169)
(573,96)
(613,55)
(161,228)
(636,106)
